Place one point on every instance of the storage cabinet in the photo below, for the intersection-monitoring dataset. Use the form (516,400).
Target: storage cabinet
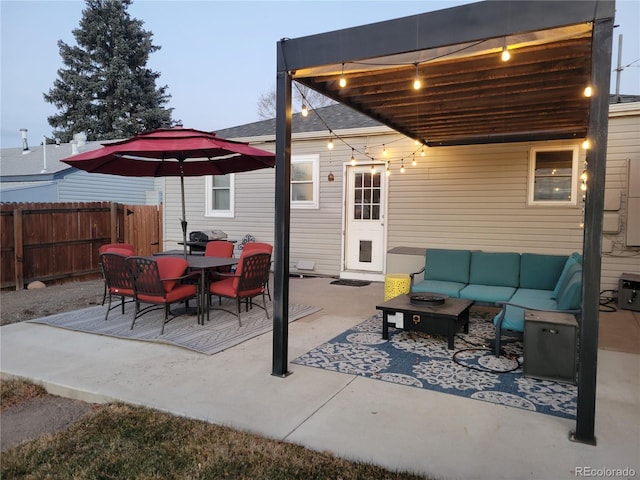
(550,346)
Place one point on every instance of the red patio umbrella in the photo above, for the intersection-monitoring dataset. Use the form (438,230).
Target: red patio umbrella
(173,152)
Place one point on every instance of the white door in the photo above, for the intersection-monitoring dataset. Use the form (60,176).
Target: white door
(364,229)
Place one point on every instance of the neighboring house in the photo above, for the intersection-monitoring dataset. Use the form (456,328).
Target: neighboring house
(36,174)
(520,197)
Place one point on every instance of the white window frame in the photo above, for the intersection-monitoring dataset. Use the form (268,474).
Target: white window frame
(574,176)
(210,212)
(315,172)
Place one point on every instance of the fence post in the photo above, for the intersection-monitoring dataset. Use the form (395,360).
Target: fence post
(18,248)
(114,222)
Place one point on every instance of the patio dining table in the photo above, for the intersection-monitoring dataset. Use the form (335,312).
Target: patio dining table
(203,264)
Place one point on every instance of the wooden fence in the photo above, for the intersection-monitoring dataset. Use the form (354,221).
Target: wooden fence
(57,242)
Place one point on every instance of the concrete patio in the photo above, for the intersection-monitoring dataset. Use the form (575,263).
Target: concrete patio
(399,427)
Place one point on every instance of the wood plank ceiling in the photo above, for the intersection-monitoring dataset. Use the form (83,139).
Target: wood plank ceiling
(469,95)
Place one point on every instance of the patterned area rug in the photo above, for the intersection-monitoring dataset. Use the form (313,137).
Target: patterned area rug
(423,361)
(221,332)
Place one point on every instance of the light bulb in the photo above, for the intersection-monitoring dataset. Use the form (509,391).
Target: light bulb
(343,82)
(422,152)
(353,158)
(413,162)
(586,144)
(583,187)
(584,176)
(388,171)
(373,169)
(402,167)
(416,82)
(588,91)
(505,56)
(384,150)
(330,144)
(305,110)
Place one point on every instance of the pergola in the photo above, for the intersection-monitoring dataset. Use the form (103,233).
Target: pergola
(471,97)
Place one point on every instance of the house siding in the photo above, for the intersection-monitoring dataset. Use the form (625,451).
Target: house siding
(470,197)
(91,187)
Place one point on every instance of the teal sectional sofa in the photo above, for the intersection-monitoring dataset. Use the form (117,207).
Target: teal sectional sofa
(516,282)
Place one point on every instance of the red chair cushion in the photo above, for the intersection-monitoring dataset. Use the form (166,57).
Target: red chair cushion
(120,251)
(180,292)
(112,247)
(125,292)
(171,267)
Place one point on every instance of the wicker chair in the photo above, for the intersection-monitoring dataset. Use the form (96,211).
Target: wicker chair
(158,282)
(247,282)
(117,279)
(125,249)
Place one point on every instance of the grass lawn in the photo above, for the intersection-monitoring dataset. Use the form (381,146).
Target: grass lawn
(118,441)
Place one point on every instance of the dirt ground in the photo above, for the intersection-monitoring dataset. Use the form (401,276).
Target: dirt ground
(34,417)
(21,305)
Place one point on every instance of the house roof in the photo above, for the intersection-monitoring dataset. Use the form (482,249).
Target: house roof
(17,165)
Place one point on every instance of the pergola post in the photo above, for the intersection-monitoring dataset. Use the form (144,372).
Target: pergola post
(592,247)
(282,218)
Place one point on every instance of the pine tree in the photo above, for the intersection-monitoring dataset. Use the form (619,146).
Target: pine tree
(105,89)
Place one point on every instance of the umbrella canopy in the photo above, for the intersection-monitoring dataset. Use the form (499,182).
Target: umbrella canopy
(173,152)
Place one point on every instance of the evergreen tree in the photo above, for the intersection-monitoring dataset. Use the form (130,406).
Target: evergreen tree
(105,89)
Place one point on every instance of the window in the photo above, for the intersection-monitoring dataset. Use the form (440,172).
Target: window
(304,181)
(219,195)
(553,176)
(366,196)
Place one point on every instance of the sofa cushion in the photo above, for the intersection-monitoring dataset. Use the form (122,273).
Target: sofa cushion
(495,269)
(540,272)
(451,289)
(487,293)
(447,265)
(570,296)
(539,299)
(574,259)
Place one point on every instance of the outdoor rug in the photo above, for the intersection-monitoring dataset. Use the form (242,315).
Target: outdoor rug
(423,361)
(219,333)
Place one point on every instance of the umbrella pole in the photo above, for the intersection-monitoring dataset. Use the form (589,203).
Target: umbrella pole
(184,216)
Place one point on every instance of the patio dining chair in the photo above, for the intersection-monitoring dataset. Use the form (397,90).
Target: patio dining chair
(125,249)
(259,247)
(247,282)
(117,280)
(158,283)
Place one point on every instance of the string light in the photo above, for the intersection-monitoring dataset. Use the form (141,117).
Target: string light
(588,91)
(422,152)
(353,157)
(416,82)
(330,144)
(586,144)
(388,170)
(413,161)
(402,165)
(373,168)
(384,150)
(343,81)
(505,56)
(305,110)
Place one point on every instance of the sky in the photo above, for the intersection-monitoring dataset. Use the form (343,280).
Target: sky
(216,57)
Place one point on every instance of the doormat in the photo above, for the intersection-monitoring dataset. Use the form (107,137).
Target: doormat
(351,283)
(424,361)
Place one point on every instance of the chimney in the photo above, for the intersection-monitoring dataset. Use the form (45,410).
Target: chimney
(25,145)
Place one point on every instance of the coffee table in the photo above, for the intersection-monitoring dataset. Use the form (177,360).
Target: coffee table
(443,319)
